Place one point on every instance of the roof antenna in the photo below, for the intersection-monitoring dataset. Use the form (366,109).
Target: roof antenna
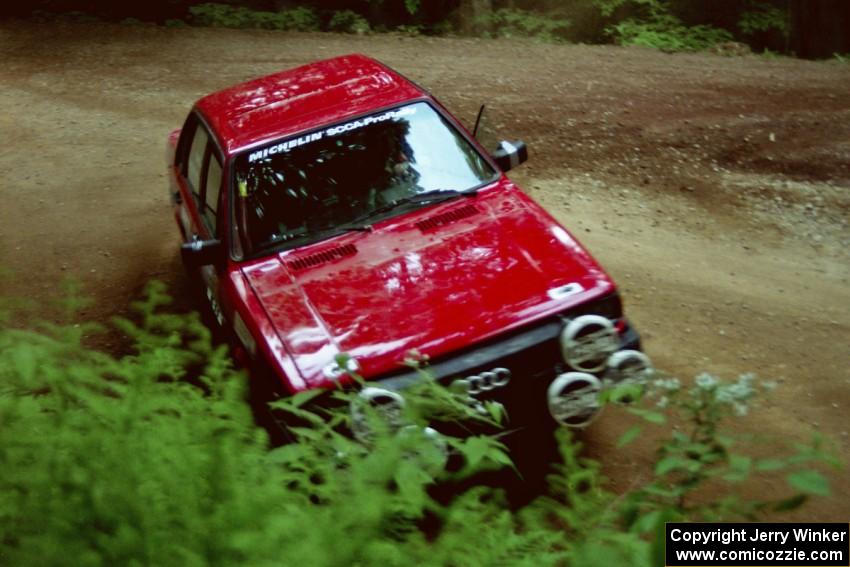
(477,121)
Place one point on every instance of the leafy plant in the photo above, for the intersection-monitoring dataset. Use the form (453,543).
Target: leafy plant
(701,451)
(411,30)
(655,25)
(609,7)
(300,18)
(764,17)
(348,21)
(412,6)
(153,458)
(668,33)
(510,22)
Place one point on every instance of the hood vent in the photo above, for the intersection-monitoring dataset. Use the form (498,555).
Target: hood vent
(318,258)
(446,218)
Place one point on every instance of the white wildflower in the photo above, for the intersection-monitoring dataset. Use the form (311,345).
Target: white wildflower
(741,391)
(740,409)
(706,381)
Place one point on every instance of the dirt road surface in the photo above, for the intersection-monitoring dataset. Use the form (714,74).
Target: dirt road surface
(715,190)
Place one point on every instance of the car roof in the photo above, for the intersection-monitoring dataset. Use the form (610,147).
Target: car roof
(291,101)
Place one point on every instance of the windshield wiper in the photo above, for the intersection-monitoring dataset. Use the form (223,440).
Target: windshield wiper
(435,196)
(340,228)
(440,195)
(359,225)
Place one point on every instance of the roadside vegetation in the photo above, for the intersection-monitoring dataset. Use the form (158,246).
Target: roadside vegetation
(779,26)
(153,458)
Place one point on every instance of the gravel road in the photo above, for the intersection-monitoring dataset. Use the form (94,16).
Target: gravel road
(715,190)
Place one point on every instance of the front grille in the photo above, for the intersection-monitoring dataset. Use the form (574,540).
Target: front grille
(532,370)
(533,355)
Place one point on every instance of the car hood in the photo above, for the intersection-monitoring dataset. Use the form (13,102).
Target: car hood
(435,280)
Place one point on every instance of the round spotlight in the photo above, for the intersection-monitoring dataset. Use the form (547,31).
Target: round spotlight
(387,404)
(428,447)
(588,341)
(573,398)
(628,366)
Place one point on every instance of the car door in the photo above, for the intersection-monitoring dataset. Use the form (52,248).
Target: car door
(199,173)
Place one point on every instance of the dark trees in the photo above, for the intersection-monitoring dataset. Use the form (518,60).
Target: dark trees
(820,28)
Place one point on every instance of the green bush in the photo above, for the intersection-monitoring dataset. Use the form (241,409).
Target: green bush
(227,16)
(668,33)
(652,23)
(153,458)
(702,451)
(111,461)
(411,30)
(508,22)
(764,17)
(347,21)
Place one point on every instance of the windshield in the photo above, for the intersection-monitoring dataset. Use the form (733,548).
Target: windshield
(317,184)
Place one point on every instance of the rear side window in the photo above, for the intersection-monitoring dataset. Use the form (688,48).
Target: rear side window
(196,158)
(213,188)
(186,135)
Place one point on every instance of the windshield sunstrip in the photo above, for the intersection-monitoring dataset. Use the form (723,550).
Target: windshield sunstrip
(287,145)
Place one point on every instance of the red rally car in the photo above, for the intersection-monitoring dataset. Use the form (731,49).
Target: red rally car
(340,208)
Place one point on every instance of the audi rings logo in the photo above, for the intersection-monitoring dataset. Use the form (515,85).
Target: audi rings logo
(486,381)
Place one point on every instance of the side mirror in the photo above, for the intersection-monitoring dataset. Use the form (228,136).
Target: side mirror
(510,154)
(200,253)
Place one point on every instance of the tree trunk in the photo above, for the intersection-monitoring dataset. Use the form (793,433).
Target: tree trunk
(468,16)
(820,28)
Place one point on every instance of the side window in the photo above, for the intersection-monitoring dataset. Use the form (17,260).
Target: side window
(213,188)
(196,159)
(186,135)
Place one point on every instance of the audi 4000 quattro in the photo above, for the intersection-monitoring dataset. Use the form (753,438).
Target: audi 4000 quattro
(340,208)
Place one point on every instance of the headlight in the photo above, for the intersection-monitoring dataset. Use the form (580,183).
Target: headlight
(588,341)
(387,404)
(573,398)
(335,371)
(427,446)
(628,366)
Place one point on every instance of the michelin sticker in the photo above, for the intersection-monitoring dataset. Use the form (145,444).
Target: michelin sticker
(287,145)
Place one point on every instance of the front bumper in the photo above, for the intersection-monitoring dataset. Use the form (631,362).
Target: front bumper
(533,358)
